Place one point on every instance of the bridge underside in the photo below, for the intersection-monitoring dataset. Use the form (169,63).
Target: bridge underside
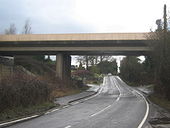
(99,47)
(131,53)
(63,50)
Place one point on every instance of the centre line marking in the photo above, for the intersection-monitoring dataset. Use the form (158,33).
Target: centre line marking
(117,88)
(69,126)
(109,105)
(100,111)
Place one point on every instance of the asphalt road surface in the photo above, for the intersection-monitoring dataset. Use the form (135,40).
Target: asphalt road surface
(116,105)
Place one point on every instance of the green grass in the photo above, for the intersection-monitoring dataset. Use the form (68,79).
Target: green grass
(160,101)
(20,112)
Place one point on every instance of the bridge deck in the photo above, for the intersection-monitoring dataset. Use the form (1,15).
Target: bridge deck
(75,44)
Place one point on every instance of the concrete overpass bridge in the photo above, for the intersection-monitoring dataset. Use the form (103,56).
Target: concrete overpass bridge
(64,45)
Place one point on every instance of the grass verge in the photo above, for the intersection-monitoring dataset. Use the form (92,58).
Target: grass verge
(21,112)
(162,102)
(68,91)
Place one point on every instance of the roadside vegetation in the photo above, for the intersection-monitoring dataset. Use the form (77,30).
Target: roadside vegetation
(161,101)
(33,86)
(161,60)
(22,94)
(30,90)
(134,72)
(156,67)
(92,69)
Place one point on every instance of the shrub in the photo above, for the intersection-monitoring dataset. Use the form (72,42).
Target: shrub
(21,89)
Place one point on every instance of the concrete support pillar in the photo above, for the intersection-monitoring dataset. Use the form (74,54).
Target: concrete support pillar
(59,66)
(63,66)
(67,67)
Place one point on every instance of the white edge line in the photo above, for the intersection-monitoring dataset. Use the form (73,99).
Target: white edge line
(118,98)
(104,82)
(74,103)
(147,111)
(15,121)
(55,110)
(100,90)
(77,101)
(66,106)
(51,111)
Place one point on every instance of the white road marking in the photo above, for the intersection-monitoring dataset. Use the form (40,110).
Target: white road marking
(54,110)
(127,87)
(66,106)
(147,107)
(69,126)
(118,89)
(30,117)
(47,112)
(109,105)
(147,111)
(51,111)
(100,111)
(101,88)
(104,81)
(74,103)
(118,98)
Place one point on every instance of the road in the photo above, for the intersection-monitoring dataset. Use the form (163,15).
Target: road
(116,105)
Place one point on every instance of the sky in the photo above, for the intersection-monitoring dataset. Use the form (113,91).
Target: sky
(82,16)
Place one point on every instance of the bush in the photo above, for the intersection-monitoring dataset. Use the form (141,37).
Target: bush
(81,74)
(21,89)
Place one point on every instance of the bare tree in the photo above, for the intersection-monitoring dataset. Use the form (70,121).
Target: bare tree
(103,58)
(92,60)
(27,27)
(11,30)
(80,59)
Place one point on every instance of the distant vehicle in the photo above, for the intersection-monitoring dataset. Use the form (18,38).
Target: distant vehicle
(109,74)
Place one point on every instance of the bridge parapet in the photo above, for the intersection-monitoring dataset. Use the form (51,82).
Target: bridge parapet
(74,37)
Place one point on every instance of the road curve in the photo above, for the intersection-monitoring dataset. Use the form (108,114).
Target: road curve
(115,106)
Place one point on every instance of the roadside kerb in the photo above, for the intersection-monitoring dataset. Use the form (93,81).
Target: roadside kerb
(84,97)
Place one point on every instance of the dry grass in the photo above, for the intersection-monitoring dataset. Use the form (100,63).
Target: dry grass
(66,92)
(21,89)
(20,112)
(22,94)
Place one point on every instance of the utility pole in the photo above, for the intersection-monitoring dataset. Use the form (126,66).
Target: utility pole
(165,32)
(165,19)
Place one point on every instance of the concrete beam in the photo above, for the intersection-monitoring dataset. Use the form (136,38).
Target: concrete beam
(64,49)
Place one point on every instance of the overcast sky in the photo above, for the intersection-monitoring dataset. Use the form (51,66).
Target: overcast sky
(82,16)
